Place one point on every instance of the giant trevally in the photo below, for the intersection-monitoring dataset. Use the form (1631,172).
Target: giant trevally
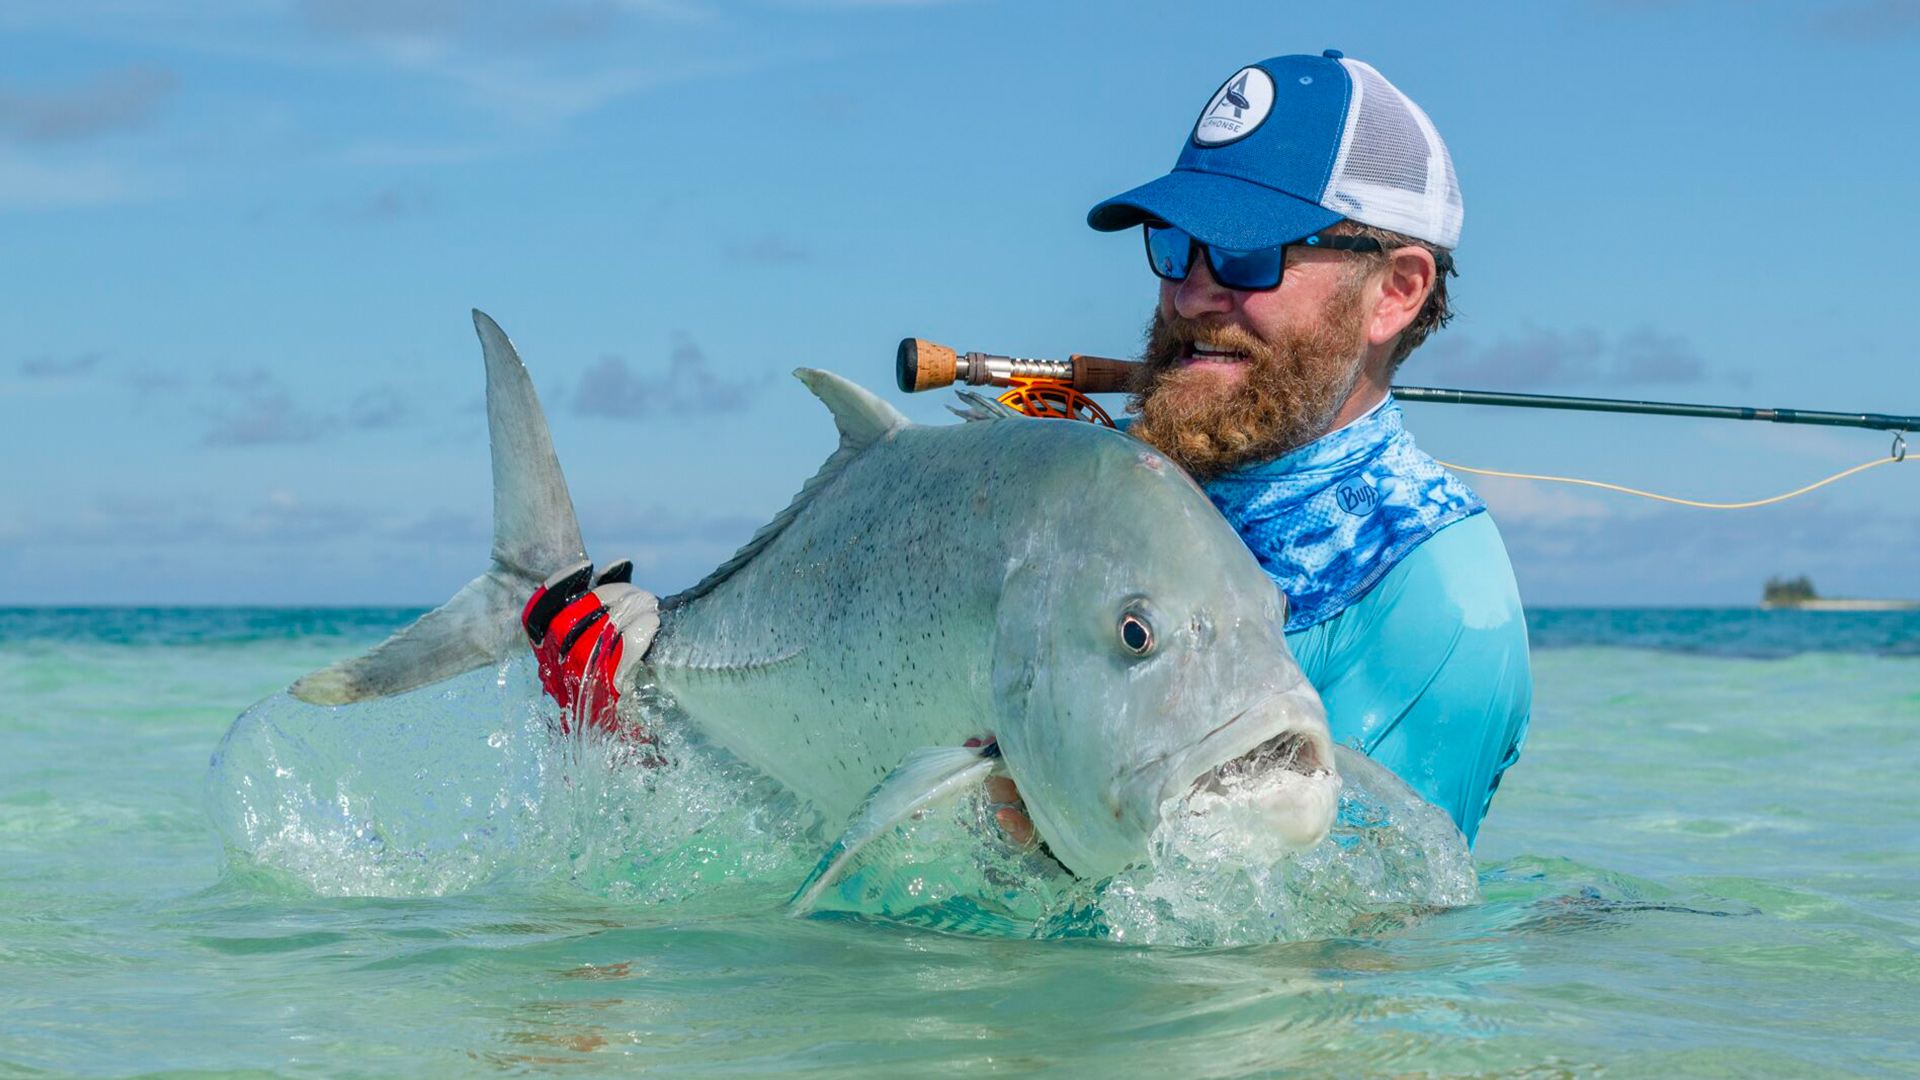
(1059,587)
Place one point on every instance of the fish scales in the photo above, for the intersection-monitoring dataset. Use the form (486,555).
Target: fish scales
(879,601)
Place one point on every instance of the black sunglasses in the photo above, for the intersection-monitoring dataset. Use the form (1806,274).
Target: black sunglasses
(1170,253)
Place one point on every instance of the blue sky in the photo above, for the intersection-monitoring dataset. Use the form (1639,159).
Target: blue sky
(241,237)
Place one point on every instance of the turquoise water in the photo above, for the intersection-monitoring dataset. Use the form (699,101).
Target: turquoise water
(1707,863)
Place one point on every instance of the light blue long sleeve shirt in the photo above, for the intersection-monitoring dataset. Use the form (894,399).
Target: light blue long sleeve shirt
(1428,672)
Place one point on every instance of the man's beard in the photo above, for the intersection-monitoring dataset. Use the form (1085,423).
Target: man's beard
(1292,390)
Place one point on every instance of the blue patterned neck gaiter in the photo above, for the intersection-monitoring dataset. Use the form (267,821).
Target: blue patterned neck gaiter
(1329,520)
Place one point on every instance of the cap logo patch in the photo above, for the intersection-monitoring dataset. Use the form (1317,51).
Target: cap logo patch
(1237,108)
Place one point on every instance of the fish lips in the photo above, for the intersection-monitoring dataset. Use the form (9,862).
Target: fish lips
(1287,730)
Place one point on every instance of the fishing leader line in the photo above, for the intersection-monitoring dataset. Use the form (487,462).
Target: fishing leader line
(1899,455)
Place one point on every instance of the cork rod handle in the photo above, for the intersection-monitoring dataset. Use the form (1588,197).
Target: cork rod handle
(920,364)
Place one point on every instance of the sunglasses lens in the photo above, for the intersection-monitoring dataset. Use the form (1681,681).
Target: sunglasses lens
(1169,250)
(1247,269)
(1170,253)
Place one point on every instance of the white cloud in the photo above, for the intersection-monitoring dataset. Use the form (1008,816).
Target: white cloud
(42,185)
(689,385)
(1536,358)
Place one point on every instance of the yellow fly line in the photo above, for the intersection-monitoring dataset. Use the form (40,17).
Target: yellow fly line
(1898,455)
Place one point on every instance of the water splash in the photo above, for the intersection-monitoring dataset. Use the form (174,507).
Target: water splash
(447,788)
(465,785)
(1214,876)
(1390,857)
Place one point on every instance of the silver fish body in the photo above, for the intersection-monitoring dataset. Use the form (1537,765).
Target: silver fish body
(1059,587)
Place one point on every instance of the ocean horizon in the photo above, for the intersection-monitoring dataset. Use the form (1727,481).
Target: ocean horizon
(1733,630)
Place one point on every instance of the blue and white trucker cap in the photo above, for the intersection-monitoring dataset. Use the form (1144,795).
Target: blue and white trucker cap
(1291,145)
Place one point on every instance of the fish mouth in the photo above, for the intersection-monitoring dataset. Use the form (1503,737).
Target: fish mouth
(1271,765)
(1284,731)
(1292,751)
(1278,798)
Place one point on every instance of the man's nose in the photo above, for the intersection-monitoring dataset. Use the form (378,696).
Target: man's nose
(1199,294)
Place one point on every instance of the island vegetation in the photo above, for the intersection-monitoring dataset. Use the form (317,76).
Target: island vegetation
(1785,590)
(1796,593)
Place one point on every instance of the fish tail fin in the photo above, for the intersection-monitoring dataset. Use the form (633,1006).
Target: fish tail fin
(535,533)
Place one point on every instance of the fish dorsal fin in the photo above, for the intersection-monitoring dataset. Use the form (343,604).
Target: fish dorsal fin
(863,418)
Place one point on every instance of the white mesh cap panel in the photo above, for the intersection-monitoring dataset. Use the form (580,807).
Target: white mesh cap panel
(1393,171)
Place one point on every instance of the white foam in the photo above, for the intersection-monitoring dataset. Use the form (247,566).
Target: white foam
(439,790)
(448,788)
(1214,879)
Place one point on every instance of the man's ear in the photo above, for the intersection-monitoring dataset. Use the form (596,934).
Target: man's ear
(1405,283)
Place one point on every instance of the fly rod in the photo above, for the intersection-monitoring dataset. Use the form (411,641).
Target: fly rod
(924,365)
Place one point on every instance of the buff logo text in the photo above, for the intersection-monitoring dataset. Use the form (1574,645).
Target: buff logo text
(1357,497)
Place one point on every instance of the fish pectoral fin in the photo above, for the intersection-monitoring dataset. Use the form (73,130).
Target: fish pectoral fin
(925,777)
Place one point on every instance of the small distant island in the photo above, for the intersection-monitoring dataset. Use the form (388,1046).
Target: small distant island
(1797,592)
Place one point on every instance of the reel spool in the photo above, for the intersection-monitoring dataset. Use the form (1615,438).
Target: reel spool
(1053,399)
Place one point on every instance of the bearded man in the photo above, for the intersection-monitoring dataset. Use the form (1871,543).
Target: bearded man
(1302,243)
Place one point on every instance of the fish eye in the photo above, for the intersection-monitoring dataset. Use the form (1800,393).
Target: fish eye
(1136,634)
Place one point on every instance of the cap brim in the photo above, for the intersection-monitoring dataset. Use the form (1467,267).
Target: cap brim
(1222,211)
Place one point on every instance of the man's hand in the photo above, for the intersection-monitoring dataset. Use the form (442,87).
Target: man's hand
(579,637)
(1012,813)
(1009,813)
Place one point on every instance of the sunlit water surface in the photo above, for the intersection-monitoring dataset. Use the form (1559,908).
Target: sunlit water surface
(1707,863)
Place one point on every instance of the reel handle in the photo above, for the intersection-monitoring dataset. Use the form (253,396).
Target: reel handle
(920,365)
